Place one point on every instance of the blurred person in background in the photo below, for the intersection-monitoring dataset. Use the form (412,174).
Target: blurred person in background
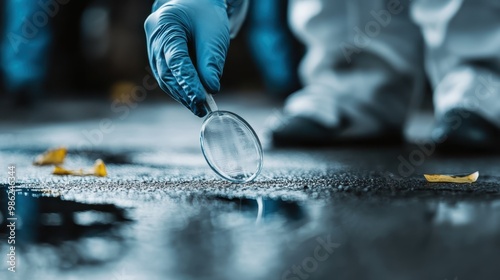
(23,52)
(275,51)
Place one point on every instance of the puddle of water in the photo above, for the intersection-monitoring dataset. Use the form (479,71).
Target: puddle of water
(202,237)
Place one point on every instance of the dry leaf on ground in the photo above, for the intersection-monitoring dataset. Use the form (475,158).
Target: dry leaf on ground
(51,157)
(99,170)
(441,178)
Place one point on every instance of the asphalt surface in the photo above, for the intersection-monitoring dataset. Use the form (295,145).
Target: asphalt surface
(162,213)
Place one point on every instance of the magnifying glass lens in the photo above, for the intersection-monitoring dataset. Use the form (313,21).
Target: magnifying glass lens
(231,147)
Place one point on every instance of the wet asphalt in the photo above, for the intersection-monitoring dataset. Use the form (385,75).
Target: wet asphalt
(362,212)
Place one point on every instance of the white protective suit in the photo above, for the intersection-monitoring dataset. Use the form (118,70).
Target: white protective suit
(365,59)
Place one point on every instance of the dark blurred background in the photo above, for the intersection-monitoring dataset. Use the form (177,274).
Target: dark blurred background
(97,49)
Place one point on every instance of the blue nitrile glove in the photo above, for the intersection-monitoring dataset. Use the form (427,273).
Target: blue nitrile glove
(172,25)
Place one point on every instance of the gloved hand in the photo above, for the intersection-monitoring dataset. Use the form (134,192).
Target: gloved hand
(169,29)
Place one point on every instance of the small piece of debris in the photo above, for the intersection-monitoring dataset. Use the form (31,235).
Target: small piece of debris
(51,157)
(98,170)
(440,178)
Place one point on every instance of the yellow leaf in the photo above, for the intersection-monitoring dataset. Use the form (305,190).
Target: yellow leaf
(51,157)
(440,178)
(123,92)
(61,171)
(99,170)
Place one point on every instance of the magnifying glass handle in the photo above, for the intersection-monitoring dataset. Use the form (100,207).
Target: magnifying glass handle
(210,103)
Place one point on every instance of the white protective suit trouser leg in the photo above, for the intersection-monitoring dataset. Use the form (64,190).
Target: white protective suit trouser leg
(363,62)
(462,54)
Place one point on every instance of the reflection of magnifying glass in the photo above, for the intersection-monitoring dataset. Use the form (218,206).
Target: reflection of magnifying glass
(230,145)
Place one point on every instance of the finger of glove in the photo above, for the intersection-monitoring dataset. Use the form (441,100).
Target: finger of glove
(212,43)
(184,72)
(162,73)
(167,81)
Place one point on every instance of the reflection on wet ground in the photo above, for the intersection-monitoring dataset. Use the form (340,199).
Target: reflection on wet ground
(200,237)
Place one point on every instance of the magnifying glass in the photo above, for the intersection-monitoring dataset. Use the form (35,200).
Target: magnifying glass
(230,145)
